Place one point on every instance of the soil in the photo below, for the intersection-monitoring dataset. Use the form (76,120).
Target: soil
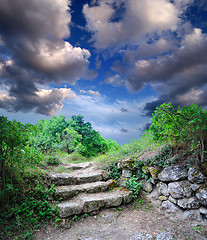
(124,222)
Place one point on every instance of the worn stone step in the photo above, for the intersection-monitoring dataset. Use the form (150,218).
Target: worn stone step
(78,166)
(87,175)
(67,192)
(87,203)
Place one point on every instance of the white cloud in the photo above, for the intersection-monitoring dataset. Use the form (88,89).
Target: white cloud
(140,18)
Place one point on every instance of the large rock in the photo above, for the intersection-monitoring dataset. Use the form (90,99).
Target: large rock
(127,164)
(202,195)
(180,189)
(141,236)
(162,189)
(193,215)
(154,171)
(147,186)
(170,207)
(196,176)
(173,173)
(203,212)
(164,236)
(188,203)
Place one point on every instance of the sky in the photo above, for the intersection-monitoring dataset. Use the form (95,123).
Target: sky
(112,61)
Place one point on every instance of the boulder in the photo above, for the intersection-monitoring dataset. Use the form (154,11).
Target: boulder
(147,186)
(203,212)
(180,189)
(141,236)
(193,215)
(188,203)
(164,236)
(173,200)
(173,173)
(195,186)
(163,198)
(201,195)
(154,171)
(162,189)
(170,207)
(196,176)
(127,164)
(126,173)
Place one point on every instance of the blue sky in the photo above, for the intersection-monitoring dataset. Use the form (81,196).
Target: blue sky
(112,61)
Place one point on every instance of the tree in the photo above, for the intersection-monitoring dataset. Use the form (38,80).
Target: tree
(187,125)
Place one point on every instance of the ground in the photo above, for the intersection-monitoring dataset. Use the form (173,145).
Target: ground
(124,222)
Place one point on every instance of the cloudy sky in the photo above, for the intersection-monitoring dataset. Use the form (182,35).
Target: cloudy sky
(112,61)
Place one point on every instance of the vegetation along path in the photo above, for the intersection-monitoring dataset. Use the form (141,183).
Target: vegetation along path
(88,193)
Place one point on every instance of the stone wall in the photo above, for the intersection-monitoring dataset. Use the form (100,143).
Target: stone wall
(174,189)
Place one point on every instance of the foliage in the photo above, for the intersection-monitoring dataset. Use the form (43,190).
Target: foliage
(25,210)
(134,184)
(186,127)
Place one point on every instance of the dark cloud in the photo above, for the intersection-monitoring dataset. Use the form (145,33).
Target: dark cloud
(124,130)
(31,34)
(124,110)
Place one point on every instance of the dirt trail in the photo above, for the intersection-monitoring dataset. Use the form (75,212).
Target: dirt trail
(124,223)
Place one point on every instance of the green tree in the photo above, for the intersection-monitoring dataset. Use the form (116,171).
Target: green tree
(187,126)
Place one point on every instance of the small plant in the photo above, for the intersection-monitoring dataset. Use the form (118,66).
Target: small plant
(53,161)
(134,184)
(75,218)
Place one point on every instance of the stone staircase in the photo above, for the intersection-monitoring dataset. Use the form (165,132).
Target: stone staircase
(86,189)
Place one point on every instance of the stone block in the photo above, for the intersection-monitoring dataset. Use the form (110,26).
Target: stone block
(173,173)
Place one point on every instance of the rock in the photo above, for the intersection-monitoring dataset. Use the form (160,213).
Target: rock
(173,200)
(141,236)
(109,216)
(204,168)
(127,164)
(163,198)
(195,186)
(180,189)
(201,195)
(162,189)
(203,212)
(145,169)
(196,176)
(122,182)
(173,173)
(147,186)
(193,215)
(126,173)
(170,207)
(154,171)
(164,236)
(189,203)
(65,223)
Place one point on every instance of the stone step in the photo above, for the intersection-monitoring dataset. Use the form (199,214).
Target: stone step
(87,203)
(87,175)
(78,166)
(67,192)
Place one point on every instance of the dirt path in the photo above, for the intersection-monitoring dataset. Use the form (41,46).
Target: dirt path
(124,224)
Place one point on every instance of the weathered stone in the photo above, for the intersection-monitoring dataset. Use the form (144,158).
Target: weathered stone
(154,171)
(122,182)
(201,195)
(105,175)
(141,236)
(180,189)
(67,209)
(195,186)
(196,176)
(162,189)
(65,223)
(203,212)
(164,236)
(189,203)
(126,173)
(173,173)
(193,215)
(126,164)
(66,192)
(170,207)
(126,194)
(173,200)
(145,169)
(147,186)
(163,198)
(78,166)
